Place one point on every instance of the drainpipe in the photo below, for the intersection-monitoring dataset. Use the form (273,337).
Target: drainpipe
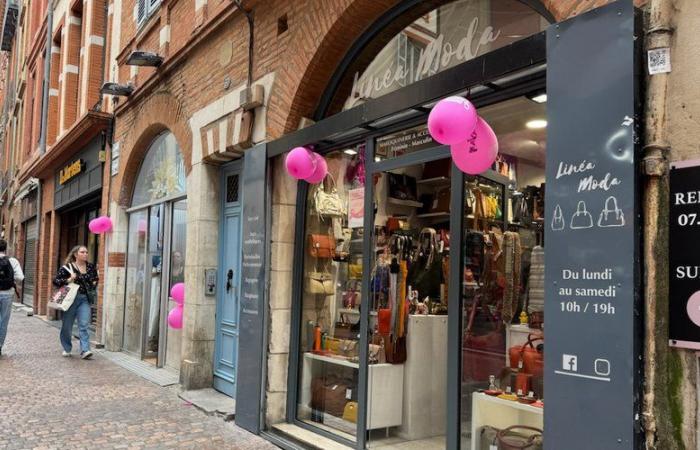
(44,129)
(655,217)
(47,80)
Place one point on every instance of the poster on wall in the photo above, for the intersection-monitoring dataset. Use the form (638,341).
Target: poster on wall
(356,207)
(684,255)
(592,303)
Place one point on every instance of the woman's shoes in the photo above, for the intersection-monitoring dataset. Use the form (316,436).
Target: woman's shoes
(86,355)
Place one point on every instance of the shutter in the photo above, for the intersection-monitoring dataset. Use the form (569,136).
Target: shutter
(29,263)
(141,11)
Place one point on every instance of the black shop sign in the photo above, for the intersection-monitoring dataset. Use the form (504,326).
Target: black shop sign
(684,255)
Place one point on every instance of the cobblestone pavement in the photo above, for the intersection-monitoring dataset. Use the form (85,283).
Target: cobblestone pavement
(51,402)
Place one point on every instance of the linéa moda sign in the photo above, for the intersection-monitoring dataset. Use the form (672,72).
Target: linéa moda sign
(440,53)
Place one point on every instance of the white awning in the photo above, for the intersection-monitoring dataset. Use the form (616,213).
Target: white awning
(24,190)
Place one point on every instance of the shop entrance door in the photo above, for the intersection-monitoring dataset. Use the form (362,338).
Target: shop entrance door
(227,312)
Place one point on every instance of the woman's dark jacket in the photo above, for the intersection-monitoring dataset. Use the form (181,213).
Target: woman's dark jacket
(86,281)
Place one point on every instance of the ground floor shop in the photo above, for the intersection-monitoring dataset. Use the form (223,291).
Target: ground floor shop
(414,294)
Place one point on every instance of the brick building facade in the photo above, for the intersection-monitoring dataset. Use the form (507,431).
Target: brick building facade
(194,94)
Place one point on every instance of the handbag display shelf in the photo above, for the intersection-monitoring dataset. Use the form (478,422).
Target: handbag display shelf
(384,388)
(499,413)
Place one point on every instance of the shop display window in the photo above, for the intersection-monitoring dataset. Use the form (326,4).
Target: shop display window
(331,299)
(502,290)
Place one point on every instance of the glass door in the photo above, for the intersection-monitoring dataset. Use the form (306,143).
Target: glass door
(176,274)
(155,262)
(152,295)
(135,282)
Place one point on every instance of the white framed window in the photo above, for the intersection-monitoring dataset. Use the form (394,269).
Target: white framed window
(143,10)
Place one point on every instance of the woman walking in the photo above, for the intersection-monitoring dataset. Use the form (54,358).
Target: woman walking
(78,270)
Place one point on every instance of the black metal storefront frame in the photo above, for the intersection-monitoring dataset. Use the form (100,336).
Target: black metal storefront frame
(508,72)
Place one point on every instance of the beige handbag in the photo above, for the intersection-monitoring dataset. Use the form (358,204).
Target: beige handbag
(327,201)
(319,283)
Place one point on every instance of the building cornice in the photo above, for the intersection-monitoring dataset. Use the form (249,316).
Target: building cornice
(79,135)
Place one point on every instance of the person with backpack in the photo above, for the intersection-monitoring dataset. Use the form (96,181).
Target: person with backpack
(10,275)
(78,270)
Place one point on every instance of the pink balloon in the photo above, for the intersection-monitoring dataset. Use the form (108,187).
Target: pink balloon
(104,224)
(94,226)
(452,120)
(478,153)
(320,172)
(175,317)
(177,292)
(300,163)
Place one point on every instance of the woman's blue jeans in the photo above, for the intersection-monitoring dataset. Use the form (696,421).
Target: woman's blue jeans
(80,309)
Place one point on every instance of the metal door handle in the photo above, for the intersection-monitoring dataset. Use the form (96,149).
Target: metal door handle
(229,277)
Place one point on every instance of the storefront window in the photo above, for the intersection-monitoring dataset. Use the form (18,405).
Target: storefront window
(162,172)
(331,300)
(435,40)
(156,254)
(503,287)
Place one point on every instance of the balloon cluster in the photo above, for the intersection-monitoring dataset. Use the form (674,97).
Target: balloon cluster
(304,164)
(177,293)
(99,225)
(453,121)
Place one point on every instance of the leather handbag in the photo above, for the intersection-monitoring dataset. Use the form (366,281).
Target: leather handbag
(581,218)
(441,202)
(611,215)
(377,354)
(328,394)
(322,246)
(343,329)
(512,438)
(326,200)
(319,283)
(527,358)
(535,320)
(350,412)
(402,187)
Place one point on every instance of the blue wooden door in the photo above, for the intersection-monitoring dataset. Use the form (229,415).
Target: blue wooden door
(227,314)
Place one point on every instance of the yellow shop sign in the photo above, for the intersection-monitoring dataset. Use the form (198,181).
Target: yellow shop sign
(71,171)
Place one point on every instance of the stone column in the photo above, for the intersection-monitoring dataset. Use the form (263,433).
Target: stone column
(199,328)
(115,279)
(284,195)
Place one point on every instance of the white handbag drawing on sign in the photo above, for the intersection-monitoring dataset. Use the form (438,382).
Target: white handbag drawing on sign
(611,215)
(558,219)
(581,218)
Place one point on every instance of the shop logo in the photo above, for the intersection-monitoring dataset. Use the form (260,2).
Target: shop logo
(435,57)
(70,171)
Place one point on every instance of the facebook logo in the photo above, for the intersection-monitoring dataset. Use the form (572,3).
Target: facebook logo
(570,363)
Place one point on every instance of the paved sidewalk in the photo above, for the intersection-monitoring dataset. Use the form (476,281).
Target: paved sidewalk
(51,402)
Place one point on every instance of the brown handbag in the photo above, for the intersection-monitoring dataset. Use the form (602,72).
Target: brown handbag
(322,246)
(441,203)
(328,395)
(343,329)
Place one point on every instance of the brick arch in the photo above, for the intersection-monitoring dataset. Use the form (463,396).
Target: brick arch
(161,112)
(323,37)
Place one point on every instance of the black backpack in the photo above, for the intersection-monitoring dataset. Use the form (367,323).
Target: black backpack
(7,274)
